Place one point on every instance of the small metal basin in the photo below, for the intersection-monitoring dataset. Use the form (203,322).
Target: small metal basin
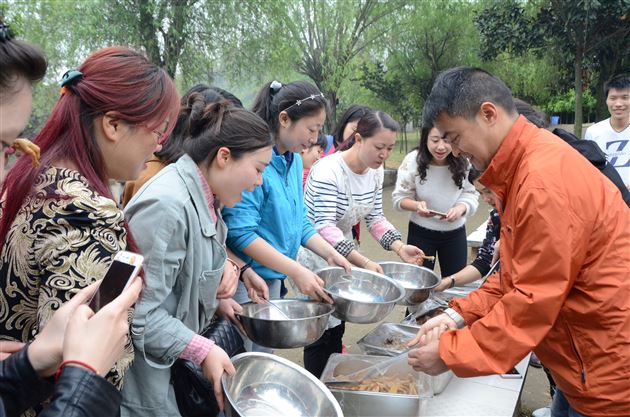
(364,297)
(387,339)
(265,324)
(370,403)
(268,385)
(417,281)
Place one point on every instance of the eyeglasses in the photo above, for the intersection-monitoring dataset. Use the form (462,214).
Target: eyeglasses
(161,134)
(311,97)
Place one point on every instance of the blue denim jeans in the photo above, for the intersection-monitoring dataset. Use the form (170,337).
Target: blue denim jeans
(560,407)
(241,297)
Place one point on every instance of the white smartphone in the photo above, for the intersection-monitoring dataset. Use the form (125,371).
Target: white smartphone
(124,268)
(512,374)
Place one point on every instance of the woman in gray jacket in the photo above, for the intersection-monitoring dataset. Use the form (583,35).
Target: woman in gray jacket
(176,220)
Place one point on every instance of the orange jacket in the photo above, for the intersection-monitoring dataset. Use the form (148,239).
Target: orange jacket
(564,286)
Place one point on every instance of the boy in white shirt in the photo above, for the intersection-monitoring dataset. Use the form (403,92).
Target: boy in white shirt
(613,134)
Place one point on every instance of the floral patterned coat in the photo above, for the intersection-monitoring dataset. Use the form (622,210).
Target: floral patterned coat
(63,238)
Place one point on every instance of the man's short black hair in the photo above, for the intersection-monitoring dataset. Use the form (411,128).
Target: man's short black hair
(460,91)
(618,82)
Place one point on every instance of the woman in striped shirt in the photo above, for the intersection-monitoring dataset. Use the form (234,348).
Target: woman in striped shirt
(343,189)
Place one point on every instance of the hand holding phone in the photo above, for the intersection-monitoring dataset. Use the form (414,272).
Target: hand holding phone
(437,213)
(124,268)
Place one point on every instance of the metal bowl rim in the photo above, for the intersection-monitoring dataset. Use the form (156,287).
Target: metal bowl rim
(415,266)
(332,310)
(319,384)
(385,277)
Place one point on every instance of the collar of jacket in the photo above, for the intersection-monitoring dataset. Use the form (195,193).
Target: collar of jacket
(279,161)
(187,169)
(500,173)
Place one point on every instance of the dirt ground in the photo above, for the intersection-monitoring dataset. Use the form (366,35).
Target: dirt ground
(536,390)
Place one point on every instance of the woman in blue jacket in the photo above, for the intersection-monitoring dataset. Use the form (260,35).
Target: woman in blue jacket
(269,224)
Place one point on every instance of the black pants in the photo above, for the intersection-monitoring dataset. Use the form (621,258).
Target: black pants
(316,354)
(450,246)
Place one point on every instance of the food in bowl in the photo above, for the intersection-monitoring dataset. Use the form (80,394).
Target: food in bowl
(386,384)
(397,343)
(426,317)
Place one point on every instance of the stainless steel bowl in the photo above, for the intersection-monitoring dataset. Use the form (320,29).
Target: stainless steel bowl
(265,325)
(364,297)
(268,385)
(416,280)
(387,339)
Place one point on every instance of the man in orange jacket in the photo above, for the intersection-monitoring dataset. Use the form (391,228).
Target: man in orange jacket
(564,286)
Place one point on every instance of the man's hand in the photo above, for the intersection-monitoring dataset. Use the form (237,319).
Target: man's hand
(426,357)
(435,322)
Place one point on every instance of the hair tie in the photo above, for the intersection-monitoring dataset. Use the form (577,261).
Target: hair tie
(70,77)
(5,32)
(274,87)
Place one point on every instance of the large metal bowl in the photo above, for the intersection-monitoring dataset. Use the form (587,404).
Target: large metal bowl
(268,385)
(264,323)
(416,280)
(365,297)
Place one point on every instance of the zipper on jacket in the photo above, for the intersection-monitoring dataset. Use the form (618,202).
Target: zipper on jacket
(577,354)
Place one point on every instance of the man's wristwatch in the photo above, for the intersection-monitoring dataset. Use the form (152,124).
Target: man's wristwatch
(457,318)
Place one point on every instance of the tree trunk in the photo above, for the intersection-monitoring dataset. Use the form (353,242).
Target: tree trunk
(147,32)
(578,92)
(332,117)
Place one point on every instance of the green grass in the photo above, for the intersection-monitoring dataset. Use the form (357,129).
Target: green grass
(397,155)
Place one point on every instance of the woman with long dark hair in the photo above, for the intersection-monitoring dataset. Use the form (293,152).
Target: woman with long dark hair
(432,183)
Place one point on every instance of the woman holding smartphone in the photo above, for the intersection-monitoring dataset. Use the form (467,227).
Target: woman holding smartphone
(431,180)
(177,220)
(59,226)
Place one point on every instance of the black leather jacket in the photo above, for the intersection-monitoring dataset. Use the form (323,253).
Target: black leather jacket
(78,392)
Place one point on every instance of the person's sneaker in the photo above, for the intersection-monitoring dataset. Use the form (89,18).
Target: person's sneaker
(542,412)
(534,361)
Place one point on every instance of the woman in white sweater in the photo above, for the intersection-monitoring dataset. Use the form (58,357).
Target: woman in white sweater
(431,179)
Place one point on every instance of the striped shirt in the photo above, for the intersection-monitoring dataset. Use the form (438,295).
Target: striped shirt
(326,197)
